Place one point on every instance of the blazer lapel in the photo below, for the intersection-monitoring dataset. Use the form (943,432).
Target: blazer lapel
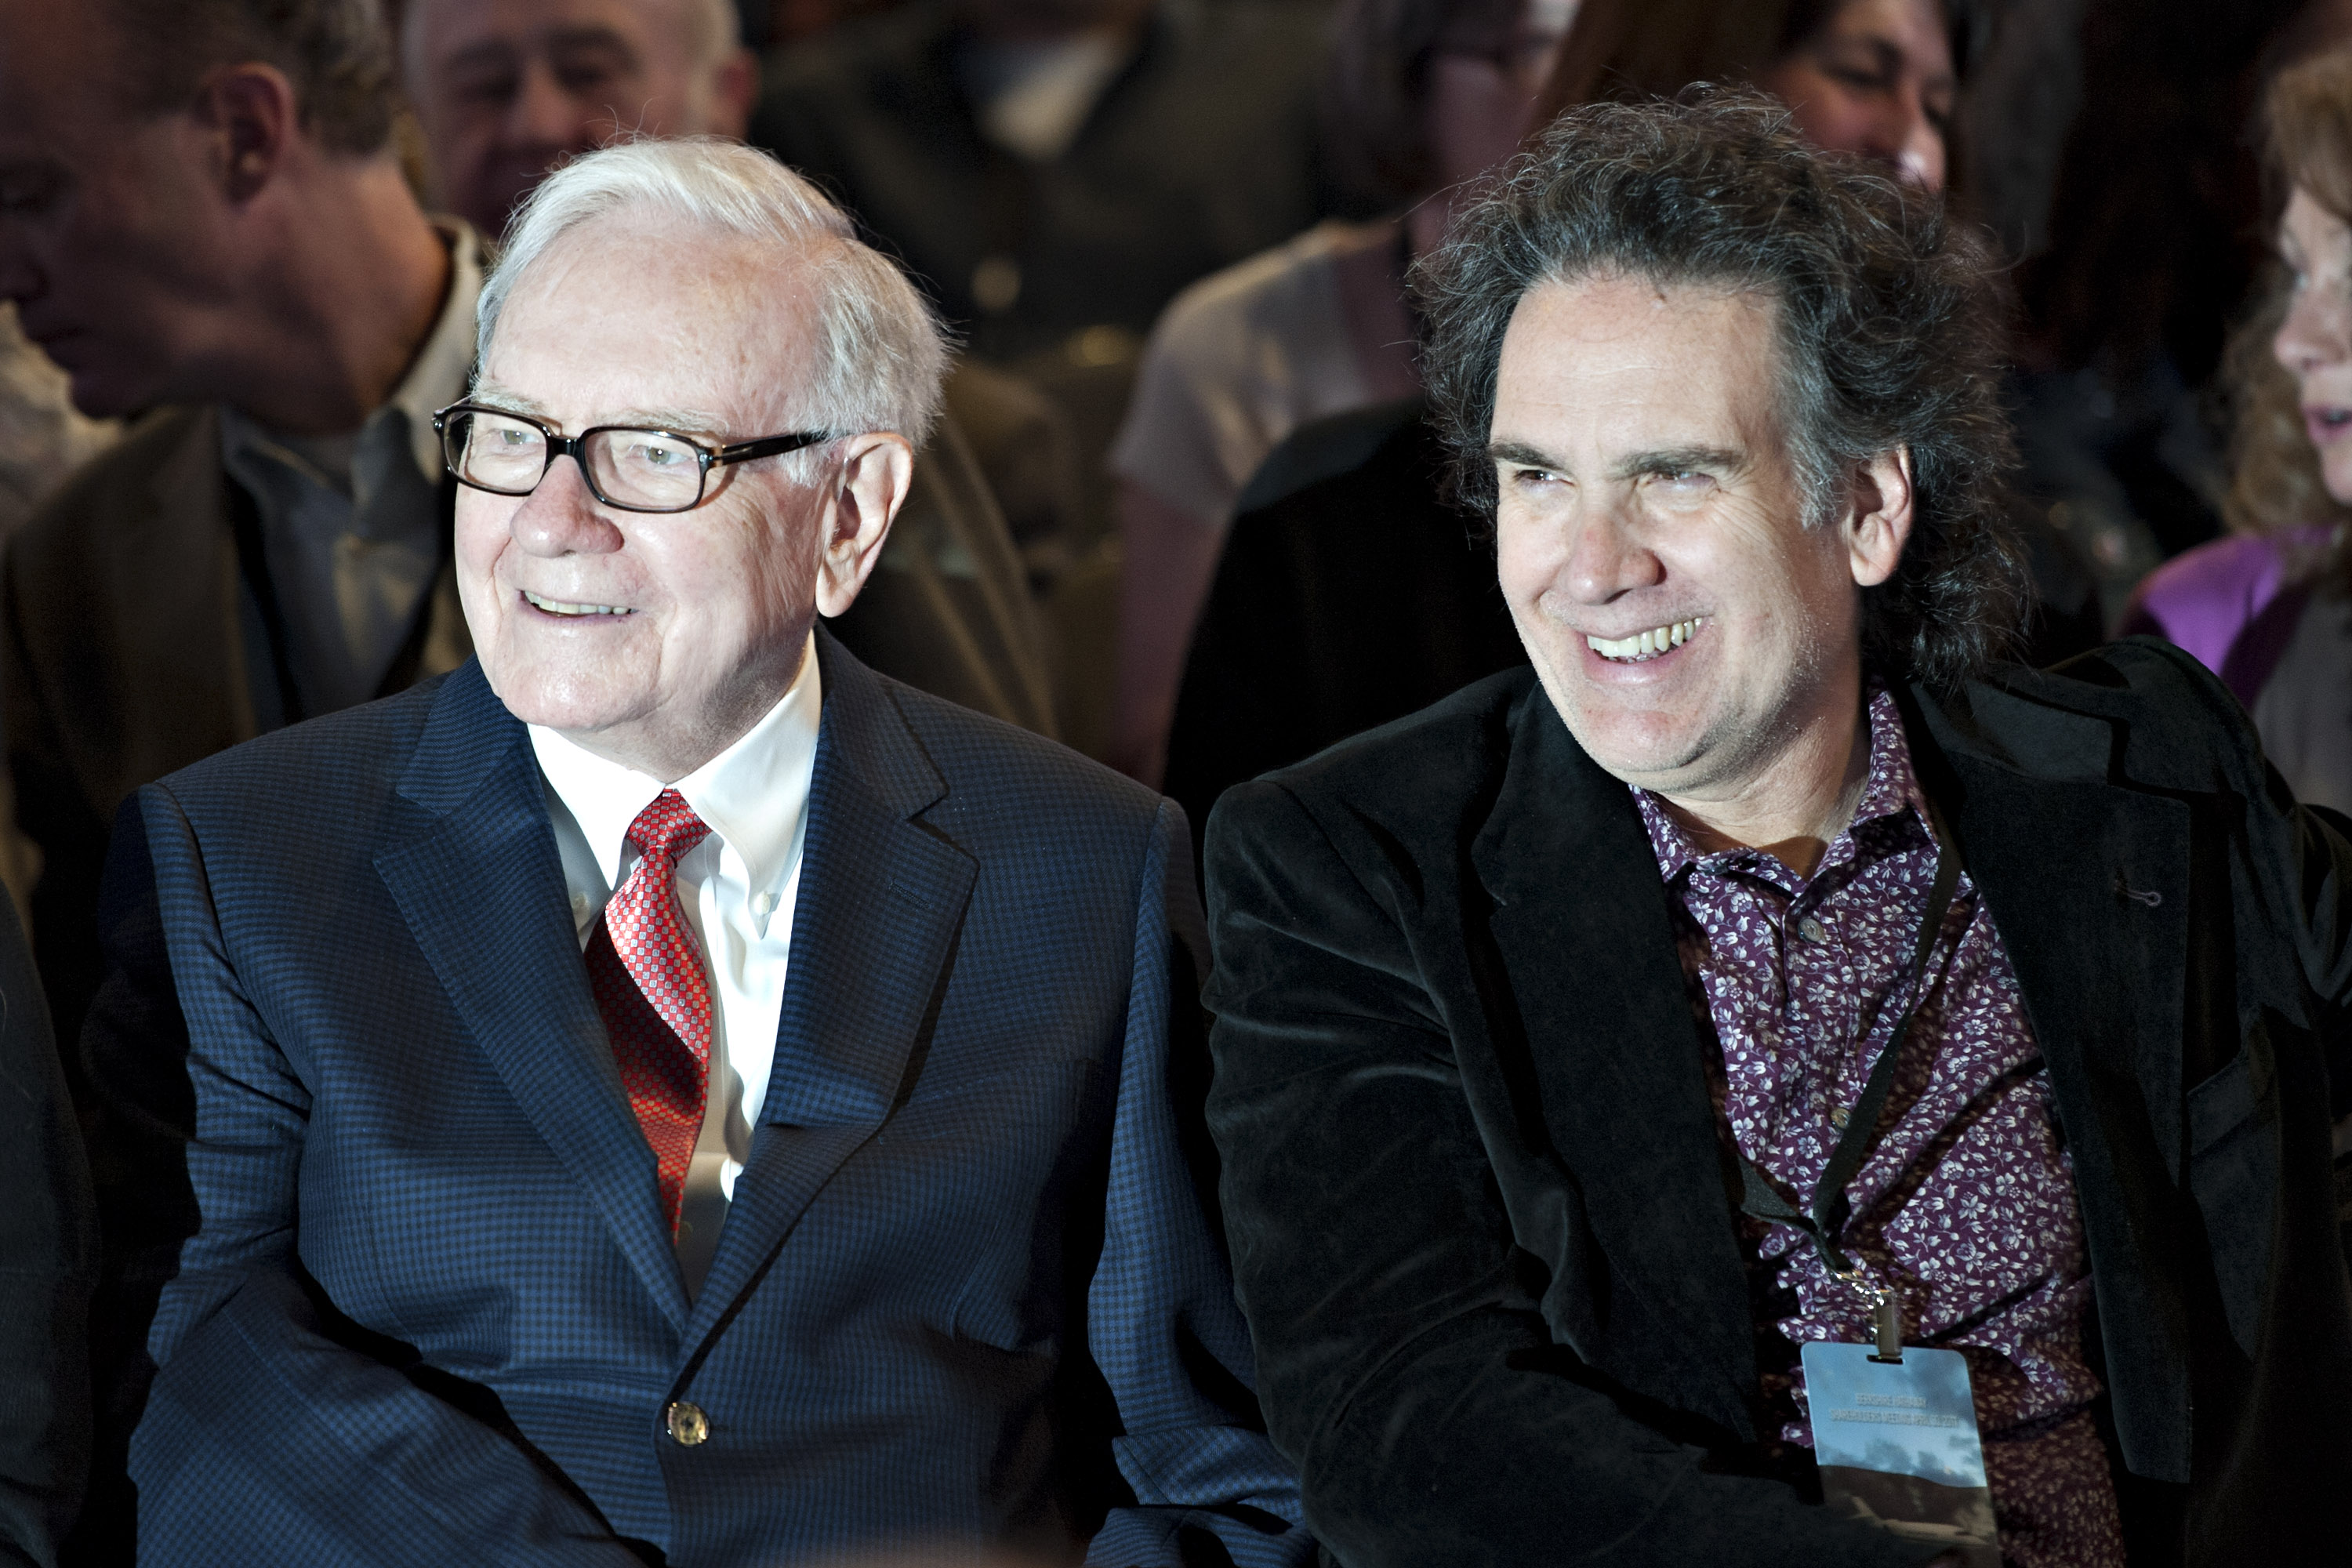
(2088,884)
(1588,942)
(881,904)
(481,887)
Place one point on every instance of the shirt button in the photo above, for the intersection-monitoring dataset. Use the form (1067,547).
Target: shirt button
(1837,1120)
(688,1424)
(579,903)
(1811,930)
(763,903)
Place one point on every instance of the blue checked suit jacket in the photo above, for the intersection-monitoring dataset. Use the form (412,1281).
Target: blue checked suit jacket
(971,1289)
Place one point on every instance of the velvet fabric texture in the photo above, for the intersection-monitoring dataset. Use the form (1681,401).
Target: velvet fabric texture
(1483,1226)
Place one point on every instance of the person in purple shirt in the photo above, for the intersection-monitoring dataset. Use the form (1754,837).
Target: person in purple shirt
(1773,959)
(2269,609)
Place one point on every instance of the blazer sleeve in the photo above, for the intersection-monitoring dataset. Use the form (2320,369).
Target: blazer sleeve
(1403,1359)
(1162,1326)
(269,1433)
(48,1247)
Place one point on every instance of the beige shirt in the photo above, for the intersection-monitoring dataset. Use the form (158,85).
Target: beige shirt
(1236,363)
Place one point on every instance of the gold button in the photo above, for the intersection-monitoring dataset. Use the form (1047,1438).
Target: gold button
(1837,1120)
(688,1424)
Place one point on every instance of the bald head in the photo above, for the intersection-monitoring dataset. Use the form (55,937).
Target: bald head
(503,89)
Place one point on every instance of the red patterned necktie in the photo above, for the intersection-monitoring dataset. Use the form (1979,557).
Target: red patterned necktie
(645,970)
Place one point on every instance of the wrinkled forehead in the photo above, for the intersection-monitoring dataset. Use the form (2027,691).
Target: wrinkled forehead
(668,314)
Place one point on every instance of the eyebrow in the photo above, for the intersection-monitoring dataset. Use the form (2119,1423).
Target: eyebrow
(684,421)
(1664,461)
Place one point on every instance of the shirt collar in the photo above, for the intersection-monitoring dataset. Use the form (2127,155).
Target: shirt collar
(1890,790)
(753,796)
(436,378)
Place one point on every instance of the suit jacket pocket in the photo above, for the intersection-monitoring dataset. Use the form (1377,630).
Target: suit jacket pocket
(2233,1168)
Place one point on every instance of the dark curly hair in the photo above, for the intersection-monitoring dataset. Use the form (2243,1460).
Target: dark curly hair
(1889,330)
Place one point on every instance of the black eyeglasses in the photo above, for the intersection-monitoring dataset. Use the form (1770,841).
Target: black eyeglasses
(626,468)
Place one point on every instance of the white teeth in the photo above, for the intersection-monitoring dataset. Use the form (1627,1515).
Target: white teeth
(1650,644)
(559,607)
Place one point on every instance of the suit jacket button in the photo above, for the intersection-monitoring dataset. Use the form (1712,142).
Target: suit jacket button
(688,1424)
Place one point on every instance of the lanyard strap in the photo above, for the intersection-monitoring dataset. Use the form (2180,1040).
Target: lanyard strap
(1759,1198)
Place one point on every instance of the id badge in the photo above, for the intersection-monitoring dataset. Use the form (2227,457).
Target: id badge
(1896,1442)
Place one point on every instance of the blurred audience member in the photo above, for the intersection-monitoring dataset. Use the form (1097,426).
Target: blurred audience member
(2147,246)
(1871,76)
(212,225)
(1055,165)
(43,436)
(1419,97)
(506,89)
(2269,609)
(207,220)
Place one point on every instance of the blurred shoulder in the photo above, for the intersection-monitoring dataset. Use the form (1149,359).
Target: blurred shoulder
(1414,779)
(179,445)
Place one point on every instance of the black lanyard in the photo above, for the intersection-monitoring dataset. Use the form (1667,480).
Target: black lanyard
(1759,1198)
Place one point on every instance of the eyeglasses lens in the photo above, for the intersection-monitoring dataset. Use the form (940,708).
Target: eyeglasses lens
(645,468)
(499,454)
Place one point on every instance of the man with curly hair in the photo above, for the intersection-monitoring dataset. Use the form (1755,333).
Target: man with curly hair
(1771,964)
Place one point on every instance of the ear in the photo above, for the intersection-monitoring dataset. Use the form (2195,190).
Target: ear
(734,90)
(1877,524)
(868,487)
(252,116)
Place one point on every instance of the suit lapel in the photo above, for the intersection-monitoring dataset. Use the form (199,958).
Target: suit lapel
(881,904)
(2092,905)
(1588,942)
(479,882)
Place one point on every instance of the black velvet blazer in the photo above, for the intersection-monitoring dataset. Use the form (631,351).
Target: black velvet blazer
(1483,1228)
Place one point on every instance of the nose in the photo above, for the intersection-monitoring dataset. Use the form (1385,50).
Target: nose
(1901,134)
(1606,557)
(561,517)
(1919,156)
(543,115)
(2317,331)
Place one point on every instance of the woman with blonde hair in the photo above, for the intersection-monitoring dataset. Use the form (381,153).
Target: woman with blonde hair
(2269,609)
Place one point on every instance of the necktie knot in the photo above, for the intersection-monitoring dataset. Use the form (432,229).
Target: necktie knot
(667,829)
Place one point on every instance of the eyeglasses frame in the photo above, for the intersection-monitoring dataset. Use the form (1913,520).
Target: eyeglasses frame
(575,447)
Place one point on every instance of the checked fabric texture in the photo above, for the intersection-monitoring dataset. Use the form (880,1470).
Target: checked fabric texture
(645,971)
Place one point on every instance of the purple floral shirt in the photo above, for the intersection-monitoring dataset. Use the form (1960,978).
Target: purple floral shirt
(1964,1206)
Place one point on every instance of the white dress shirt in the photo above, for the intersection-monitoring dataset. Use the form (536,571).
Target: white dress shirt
(737,886)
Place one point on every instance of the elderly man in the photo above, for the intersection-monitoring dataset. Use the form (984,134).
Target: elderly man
(664,1090)
(1768,986)
(506,91)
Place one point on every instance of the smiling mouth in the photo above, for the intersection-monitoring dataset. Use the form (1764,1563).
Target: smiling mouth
(561,608)
(1645,646)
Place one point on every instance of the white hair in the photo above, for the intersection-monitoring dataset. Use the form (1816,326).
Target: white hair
(878,355)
